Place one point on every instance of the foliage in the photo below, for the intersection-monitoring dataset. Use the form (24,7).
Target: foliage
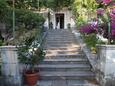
(108,17)
(28,18)
(90,40)
(88,28)
(82,10)
(30,55)
(3,10)
(21,35)
(24,4)
(24,17)
(0,70)
(1,42)
(58,4)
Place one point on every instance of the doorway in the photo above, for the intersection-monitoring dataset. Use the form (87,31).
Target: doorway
(59,21)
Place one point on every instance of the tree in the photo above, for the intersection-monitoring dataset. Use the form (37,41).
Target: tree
(56,4)
(3,10)
(82,10)
(25,4)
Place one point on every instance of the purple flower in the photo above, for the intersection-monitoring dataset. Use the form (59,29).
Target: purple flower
(87,28)
(112,15)
(106,1)
(113,24)
(100,11)
(113,10)
(113,32)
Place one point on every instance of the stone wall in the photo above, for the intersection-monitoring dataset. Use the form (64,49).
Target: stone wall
(106,64)
(10,66)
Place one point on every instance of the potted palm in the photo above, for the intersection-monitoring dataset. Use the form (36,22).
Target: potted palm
(30,56)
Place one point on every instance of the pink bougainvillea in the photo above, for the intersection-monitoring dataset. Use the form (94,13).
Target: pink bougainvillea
(100,11)
(112,16)
(87,28)
(113,32)
(106,1)
(113,10)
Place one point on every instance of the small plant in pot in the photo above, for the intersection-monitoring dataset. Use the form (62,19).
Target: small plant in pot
(30,57)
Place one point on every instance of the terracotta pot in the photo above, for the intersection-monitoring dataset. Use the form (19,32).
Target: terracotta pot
(31,78)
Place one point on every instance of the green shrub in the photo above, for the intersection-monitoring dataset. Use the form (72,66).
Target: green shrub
(28,19)
(1,42)
(0,70)
(90,40)
(3,8)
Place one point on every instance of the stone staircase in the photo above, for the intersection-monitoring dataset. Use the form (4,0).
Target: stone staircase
(64,59)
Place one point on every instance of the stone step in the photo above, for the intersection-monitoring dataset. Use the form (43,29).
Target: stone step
(64,58)
(58,30)
(59,57)
(64,48)
(60,38)
(64,45)
(61,46)
(63,52)
(64,32)
(71,67)
(64,66)
(59,42)
(64,69)
(65,61)
(67,75)
(60,34)
(65,55)
(63,82)
(63,39)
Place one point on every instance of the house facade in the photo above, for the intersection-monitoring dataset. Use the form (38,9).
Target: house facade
(61,19)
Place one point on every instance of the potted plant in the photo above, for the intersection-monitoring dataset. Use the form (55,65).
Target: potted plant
(30,56)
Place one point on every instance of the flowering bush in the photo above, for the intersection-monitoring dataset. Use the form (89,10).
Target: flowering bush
(112,17)
(29,54)
(106,1)
(113,32)
(87,28)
